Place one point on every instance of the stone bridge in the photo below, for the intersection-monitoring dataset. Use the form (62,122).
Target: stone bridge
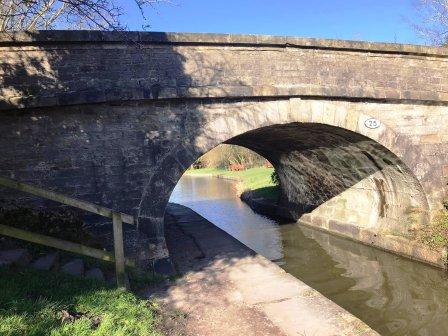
(117,117)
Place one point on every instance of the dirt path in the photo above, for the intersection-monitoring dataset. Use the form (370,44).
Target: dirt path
(228,290)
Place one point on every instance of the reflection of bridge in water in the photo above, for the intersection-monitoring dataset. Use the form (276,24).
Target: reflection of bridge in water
(396,296)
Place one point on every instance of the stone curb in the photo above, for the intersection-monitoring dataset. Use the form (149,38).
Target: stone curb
(85,36)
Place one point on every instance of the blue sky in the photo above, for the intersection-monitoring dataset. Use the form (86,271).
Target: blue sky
(372,20)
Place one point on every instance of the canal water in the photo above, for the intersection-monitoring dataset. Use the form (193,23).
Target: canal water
(393,295)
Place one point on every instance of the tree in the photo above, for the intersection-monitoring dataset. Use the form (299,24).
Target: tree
(225,155)
(434,21)
(68,14)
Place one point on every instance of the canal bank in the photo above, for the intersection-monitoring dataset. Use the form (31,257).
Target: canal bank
(228,289)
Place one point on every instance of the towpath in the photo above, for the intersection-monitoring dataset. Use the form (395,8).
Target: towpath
(229,290)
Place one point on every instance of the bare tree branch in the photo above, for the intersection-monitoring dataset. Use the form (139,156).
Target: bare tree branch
(69,14)
(433,25)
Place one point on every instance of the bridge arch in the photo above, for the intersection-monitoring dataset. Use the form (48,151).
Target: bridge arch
(333,170)
(117,118)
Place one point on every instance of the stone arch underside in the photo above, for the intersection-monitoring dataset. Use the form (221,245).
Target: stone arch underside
(331,167)
(337,175)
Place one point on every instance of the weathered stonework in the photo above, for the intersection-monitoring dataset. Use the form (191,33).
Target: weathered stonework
(116,118)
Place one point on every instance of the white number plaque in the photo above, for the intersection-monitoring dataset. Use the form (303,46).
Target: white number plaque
(372,123)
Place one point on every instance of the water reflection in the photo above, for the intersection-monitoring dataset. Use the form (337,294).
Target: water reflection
(393,295)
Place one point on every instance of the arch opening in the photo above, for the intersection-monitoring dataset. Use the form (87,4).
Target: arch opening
(332,176)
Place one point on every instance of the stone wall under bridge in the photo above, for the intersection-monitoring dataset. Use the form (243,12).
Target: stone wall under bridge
(117,119)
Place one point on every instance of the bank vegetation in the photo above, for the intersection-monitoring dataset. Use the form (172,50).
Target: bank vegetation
(253,173)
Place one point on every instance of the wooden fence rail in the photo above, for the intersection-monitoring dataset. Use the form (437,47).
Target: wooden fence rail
(117,219)
(51,195)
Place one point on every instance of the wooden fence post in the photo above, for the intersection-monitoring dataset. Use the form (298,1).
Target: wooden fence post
(119,250)
(117,219)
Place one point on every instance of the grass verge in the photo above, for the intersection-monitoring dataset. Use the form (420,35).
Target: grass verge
(42,303)
(436,234)
(258,179)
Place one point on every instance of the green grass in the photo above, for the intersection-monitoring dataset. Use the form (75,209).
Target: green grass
(436,234)
(31,303)
(256,179)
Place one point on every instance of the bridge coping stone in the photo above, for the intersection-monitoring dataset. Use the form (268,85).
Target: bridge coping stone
(85,36)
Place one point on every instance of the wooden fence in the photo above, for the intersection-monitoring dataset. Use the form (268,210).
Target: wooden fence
(117,219)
